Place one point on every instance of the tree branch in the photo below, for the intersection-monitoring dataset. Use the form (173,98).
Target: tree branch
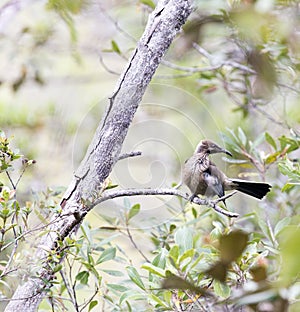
(128,155)
(103,152)
(165,191)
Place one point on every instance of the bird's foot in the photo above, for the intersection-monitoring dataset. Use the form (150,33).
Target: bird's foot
(191,198)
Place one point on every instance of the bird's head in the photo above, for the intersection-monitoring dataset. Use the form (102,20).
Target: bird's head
(210,147)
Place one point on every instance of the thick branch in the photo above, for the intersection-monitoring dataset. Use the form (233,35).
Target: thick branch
(163,25)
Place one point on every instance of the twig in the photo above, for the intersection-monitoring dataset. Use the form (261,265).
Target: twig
(289,87)
(90,300)
(201,50)
(106,67)
(66,283)
(225,197)
(213,204)
(131,154)
(10,180)
(118,27)
(10,259)
(190,69)
(74,289)
(265,113)
(164,191)
(223,211)
(239,66)
(135,245)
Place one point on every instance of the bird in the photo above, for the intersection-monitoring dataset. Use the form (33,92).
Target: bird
(203,177)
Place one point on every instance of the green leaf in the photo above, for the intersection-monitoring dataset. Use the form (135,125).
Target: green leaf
(265,228)
(172,227)
(57,268)
(131,294)
(160,302)
(284,168)
(174,252)
(153,269)
(242,136)
(117,287)
(270,140)
(187,254)
(107,254)
(289,186)
(111,186)
(281,225)
(290,143)
(83,277)
(160,260)
(115,47)
(92,305)
(129,309)
(272,158)
(134,210)
(221,289)
(149,3)
(194,212)
(234,161)
(135,277)
(113,272)
(184,238)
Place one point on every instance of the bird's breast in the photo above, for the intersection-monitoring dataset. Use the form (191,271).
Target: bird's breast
(193,174)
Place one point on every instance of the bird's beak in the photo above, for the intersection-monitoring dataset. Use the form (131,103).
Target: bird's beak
(226,152)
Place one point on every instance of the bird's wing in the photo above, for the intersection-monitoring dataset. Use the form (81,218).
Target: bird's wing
(214,184)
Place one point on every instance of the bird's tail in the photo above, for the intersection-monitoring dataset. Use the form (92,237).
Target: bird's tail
(255,189)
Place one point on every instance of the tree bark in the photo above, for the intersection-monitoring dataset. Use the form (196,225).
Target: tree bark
(103,152)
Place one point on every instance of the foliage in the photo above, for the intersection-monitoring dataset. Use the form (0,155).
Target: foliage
(200,260)
(241,58)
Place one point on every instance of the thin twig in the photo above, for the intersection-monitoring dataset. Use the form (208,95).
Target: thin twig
(190,69)
(10,180)
(10,259)
(224,197)
(74,289)
(90,300)
(118,27)
(201,51)
(106,67)
(66,283)
(135,245)
(131,154)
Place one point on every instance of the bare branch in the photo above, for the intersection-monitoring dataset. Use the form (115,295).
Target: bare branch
(225,197)
(106,67)
(135,245)
(190,69)
(201,51)
(165,191)
(213,67)
(128,155)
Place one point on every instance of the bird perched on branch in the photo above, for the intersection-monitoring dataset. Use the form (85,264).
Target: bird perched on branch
(204,178)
